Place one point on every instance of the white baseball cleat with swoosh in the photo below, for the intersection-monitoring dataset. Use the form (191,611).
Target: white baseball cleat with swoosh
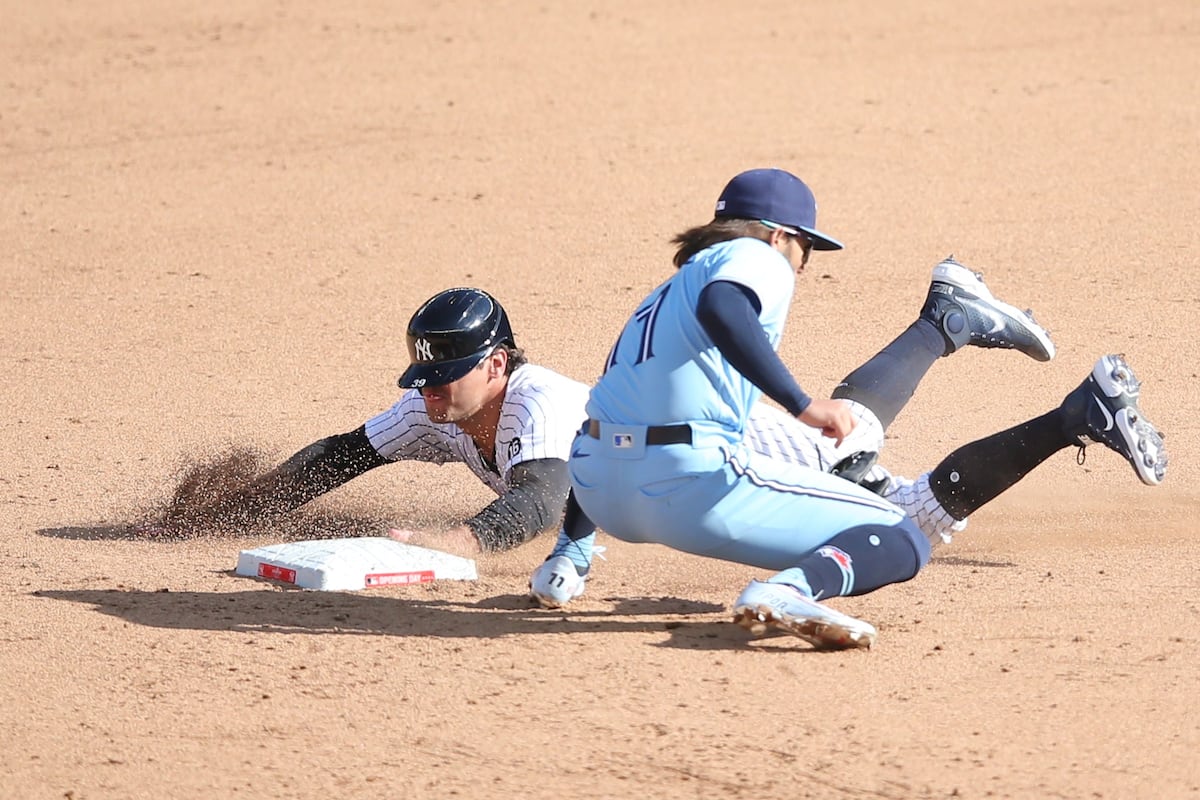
(960,305)
(1104,409)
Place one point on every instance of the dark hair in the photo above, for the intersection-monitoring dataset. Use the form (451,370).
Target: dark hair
(516,357)
(694,240)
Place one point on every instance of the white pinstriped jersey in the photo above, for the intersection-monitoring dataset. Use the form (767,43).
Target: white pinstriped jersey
(541,413)
(780,436)
(777,434)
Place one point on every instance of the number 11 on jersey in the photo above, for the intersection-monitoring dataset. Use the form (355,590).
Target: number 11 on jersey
(645,316)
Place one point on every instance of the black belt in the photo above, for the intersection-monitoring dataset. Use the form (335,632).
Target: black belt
(655,434)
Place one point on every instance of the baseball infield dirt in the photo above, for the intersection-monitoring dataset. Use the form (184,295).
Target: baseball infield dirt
(217,219)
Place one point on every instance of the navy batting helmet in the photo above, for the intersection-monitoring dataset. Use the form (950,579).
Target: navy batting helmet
(450,334)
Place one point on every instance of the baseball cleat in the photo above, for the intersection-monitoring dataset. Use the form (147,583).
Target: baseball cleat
(1104,409)
(764,605)
(556,582)
(964,310)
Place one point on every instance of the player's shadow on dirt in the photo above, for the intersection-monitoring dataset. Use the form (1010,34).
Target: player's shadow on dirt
(300,525)
(91,532)
(293,612)
(959,561)
(295,527)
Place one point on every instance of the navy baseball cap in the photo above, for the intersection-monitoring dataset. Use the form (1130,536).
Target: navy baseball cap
(775,196)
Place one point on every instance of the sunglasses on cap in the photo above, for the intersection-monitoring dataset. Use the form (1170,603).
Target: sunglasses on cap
(801,235)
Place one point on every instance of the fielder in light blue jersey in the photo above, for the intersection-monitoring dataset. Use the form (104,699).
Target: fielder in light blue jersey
(714,496)
(703,490)
(675,450)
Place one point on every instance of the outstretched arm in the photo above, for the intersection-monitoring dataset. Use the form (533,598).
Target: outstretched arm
(318,468)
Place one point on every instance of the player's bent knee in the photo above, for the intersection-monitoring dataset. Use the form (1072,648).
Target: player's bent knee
(880,554)
(917,538)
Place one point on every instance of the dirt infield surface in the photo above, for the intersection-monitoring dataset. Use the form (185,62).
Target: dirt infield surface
(216,219)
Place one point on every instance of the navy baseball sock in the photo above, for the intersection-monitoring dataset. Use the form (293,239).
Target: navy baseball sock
(978,472)
(889,379)
(860,560)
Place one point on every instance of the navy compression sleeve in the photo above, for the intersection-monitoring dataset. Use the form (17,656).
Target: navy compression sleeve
(729,314)
(537,491)
(318,468)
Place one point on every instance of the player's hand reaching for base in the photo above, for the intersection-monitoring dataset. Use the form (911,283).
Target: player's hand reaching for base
(457,541)
(831,417)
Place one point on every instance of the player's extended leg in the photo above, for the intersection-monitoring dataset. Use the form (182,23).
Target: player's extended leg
(940,500)
(959,310)
(1103,409)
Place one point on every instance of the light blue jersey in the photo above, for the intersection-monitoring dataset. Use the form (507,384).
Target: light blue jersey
(664,369)
(716,496)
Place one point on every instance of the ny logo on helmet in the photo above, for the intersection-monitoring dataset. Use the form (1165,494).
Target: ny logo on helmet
(424,350)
